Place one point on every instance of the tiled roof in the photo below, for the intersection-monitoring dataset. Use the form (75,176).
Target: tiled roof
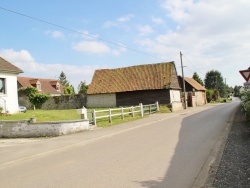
(46,86)
(6,66)
(195,84)
(134,78)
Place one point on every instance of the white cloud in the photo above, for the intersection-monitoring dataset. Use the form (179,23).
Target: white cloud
(91,47)
(125,18)
(55,34)
(119,22)
(178,9)
(87,35)
(212,34)
(119,51)
(145,30)
(157,20)
(31,68)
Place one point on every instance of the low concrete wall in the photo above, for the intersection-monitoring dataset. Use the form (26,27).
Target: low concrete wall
(177,106)
(25,129)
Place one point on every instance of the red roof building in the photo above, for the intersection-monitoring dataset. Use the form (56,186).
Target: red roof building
(48,86)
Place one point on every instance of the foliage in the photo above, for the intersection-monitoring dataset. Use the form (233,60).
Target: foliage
(68,90)
(36,98)
(209,94)
(1,109)
(82,87)
(245,101)
(63,79)
(197,78)
(214,80)
(237,91)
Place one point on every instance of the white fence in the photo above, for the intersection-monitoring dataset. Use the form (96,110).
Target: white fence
(111,112)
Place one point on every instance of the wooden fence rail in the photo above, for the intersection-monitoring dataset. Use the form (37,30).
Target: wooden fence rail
(112,112)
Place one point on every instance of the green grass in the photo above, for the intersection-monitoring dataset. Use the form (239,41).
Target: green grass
(164,109)
(44,115)
(60,115)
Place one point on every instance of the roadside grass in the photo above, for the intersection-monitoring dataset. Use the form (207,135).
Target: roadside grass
(221,100)
(71,114)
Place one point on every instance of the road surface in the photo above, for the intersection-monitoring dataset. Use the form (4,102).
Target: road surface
(163,150)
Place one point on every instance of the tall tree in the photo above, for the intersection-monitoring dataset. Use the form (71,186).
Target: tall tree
(63,79)
(82,87)
(67,88)
(198,79)
(214,80)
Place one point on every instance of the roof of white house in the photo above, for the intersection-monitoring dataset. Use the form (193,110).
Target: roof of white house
(7,67)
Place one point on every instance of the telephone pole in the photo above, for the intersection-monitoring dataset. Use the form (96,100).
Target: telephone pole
(183,83)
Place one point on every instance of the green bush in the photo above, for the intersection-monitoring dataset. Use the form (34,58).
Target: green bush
(209,94)
(245,102)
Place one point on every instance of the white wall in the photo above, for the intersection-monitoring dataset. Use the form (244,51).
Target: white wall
(175,96)
(9,100)
(101,100)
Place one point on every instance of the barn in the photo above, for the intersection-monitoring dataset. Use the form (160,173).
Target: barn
(135,84)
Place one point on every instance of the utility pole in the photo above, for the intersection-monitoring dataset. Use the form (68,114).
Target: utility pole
(183,83)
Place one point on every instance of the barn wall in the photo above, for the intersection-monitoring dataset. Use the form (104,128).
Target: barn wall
(101,100)
(145,97)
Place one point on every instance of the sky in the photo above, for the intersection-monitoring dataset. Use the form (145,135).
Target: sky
(44,38)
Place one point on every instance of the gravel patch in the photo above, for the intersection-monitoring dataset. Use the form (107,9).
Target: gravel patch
(234,167)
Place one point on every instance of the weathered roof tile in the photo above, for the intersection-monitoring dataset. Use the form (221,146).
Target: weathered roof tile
(140,77)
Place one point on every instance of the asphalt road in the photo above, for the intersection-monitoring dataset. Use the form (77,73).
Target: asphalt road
(163,150)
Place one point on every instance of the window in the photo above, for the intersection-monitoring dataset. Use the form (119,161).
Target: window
(38,86)
(58,87)
(2,86)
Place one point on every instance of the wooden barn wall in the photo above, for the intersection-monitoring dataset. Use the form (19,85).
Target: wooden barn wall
(144,97)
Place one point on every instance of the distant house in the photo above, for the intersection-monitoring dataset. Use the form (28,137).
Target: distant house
(196,92)
(136,84)
(8,87)
(48,86)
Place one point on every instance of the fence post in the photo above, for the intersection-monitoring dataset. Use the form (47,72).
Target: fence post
(157,106)
(110,117)
(94,117)
(141,109)
(132,110)
(122,113)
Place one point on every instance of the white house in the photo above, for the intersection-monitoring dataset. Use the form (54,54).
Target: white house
(8,87)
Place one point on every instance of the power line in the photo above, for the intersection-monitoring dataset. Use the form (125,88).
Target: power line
(193,65)
(72,30)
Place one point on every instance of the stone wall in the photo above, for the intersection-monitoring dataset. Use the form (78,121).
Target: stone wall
(26,129)
(101,100)
(58,102)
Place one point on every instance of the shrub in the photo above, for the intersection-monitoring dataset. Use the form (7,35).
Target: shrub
(209,94)
(245,102)
(36,98)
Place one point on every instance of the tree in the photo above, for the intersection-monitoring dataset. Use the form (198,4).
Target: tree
(237,91)
(82,87)
(36,98)
(197,78)
(214,80)
(67,88)
(63,79)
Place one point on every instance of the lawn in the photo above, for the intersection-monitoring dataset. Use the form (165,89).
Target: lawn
(44,115)
(59,115)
